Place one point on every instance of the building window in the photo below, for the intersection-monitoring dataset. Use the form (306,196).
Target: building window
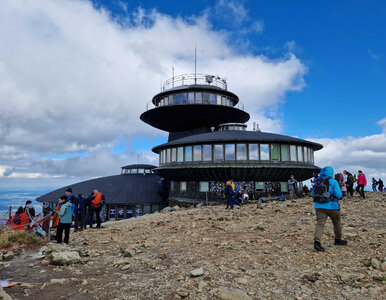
(305,151)
(206,98)
(241,151)
(204,186)
(275,152)
(177,98)
(180,154)
(170,99)
(300,153)
(198,97)
(197,153)
(293,153)
(188,153)
(230,152)
(174,154)
(218,151)
(191,98)
(284,153)
(312,156)
(259,185)
(218,99)
(212,99)
(283,187)
(141,171)
(184,98)
(253,152)
(223,100)
(147,171)
(207,152)
(168,155)
(183,186)
(264,152)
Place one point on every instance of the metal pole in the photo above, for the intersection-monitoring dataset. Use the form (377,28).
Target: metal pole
(195,63)
(173,76)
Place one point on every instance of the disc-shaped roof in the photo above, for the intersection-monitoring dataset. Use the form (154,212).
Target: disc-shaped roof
(184,117)
(236,136)
(139,166)
(118,189)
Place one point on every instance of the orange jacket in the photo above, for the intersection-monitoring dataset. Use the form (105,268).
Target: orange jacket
(97,201)
(23,220)
(55,217)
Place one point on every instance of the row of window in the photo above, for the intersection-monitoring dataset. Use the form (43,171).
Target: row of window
(204,186)
(136,171)
(195,97)
(221,152)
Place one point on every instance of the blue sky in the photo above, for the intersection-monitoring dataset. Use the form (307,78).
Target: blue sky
(85,71)
(341,42)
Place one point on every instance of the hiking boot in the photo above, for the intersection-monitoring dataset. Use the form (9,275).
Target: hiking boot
(340,242)
(318,246)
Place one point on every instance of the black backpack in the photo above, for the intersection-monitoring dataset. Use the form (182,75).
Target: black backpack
(321,191)
(17,219)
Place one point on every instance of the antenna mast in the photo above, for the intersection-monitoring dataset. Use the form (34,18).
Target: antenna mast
(195,63)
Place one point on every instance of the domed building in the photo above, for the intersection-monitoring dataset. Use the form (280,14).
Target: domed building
(208,143)
(136,191)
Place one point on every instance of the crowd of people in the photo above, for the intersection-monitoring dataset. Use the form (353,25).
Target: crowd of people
(69,210)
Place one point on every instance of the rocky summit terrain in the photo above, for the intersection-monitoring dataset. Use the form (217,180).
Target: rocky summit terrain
(213,253)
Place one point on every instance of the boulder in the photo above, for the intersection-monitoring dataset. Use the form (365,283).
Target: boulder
(64,258)
(231,294)
(8,255)
(197,272)
(376,264)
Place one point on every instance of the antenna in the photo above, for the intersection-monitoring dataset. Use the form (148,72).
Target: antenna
(138,157)
(254,126)
(195,63)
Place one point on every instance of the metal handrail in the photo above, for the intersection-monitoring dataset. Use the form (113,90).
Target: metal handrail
(194,79)
(239,105)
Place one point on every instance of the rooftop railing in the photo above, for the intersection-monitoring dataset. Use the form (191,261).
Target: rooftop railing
(194,79)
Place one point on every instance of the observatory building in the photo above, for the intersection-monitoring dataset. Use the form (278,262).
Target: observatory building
(208,143)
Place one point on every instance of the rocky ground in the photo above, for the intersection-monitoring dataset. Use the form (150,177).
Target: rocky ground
(213,253)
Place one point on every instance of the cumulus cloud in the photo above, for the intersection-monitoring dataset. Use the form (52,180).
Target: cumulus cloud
(366,153)
(73,79)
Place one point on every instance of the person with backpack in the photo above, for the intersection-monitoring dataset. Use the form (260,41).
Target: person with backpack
(80,212)
(374,184)
(326,195)
(362,182)
(292,186)
(65,215)
(19,219)
(380,185)
(349,183)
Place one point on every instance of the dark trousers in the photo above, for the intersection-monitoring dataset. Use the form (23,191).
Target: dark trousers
(360,190)
(350,189)
(321,218)
(79,221)
(97,212)
(59,233)
(231,202)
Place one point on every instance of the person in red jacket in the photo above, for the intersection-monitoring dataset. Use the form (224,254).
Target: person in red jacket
(362,182)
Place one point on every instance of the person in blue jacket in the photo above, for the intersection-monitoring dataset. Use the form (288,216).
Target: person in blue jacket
(65,220)
(329,209)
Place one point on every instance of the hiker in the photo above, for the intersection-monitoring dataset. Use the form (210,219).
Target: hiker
(245,197)
(380,185)
(292,186)
(71,198)
(47,211)
(55,216)
(97,201)
(374,184)
(80,212)
(29,211)
(306,190)
(65,220)
(326,195)
(19,219)
(349,183)
(230,194)
(362,182)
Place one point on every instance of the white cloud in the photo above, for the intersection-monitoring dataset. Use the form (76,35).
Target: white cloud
(366,153)
(73,79)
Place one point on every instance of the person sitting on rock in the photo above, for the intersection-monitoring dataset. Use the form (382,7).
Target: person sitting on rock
(326,195)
